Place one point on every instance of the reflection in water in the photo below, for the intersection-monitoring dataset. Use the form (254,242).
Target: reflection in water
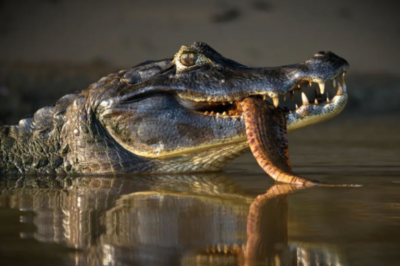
(203,219)
(267,233)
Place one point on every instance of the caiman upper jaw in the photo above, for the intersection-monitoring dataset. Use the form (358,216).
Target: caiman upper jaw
(236,84)
(320,106)
(270,83)
(322,67)
(216,79)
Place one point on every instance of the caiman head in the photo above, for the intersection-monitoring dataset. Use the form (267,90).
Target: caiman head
(192,106)
(194,112)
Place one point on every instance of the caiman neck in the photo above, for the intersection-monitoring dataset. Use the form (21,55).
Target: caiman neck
(35,145)
(25,152)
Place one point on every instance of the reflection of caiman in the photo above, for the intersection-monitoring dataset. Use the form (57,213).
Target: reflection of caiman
(164,220)
(193,113)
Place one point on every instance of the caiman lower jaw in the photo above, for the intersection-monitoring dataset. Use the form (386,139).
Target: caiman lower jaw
(310,114)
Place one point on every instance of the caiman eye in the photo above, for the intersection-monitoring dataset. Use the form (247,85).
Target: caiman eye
(188,59)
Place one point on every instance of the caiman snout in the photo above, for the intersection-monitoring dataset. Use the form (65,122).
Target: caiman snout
(324,66)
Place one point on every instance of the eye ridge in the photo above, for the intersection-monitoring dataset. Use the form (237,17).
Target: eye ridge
(188,58)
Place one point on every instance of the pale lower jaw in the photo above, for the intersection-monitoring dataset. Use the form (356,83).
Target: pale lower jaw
(312,114)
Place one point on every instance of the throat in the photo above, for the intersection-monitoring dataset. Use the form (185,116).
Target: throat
(207,161)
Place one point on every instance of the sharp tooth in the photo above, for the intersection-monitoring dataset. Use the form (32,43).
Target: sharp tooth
(316,102)
(231,102)
(224,113)
(310,82)
(223,103)
(340,89)
(321,87)
(298,86)
(292,95)
(264,97)
(212,112)
(334,82)
(327,98)
(297,107)
(226,249)
(344,74)
(284,97)
(206,112)
(276,101)
(304,99)
(343,83)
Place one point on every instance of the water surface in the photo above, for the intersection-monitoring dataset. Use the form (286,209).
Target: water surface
(238,217)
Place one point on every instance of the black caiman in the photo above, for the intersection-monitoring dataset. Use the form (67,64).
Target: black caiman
(194,112)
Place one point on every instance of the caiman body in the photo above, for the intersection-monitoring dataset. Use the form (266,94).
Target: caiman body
(194,112)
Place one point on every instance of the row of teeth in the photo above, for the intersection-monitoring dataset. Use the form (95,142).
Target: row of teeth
(232,249)
(218,114)
(338,81)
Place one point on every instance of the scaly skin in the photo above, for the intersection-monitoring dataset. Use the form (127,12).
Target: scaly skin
(170,116)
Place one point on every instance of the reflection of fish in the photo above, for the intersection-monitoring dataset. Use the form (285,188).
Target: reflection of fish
(170,220)
(267,234)
(194,112)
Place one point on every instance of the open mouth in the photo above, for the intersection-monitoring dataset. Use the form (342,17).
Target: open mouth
(286,102)
(267,121)
(321,96)
(218,109)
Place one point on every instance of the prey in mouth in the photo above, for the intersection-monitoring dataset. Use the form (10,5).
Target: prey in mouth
(194,112)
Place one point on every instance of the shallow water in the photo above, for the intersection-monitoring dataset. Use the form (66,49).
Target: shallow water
(238,217)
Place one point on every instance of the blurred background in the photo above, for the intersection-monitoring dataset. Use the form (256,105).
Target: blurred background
(52,47)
